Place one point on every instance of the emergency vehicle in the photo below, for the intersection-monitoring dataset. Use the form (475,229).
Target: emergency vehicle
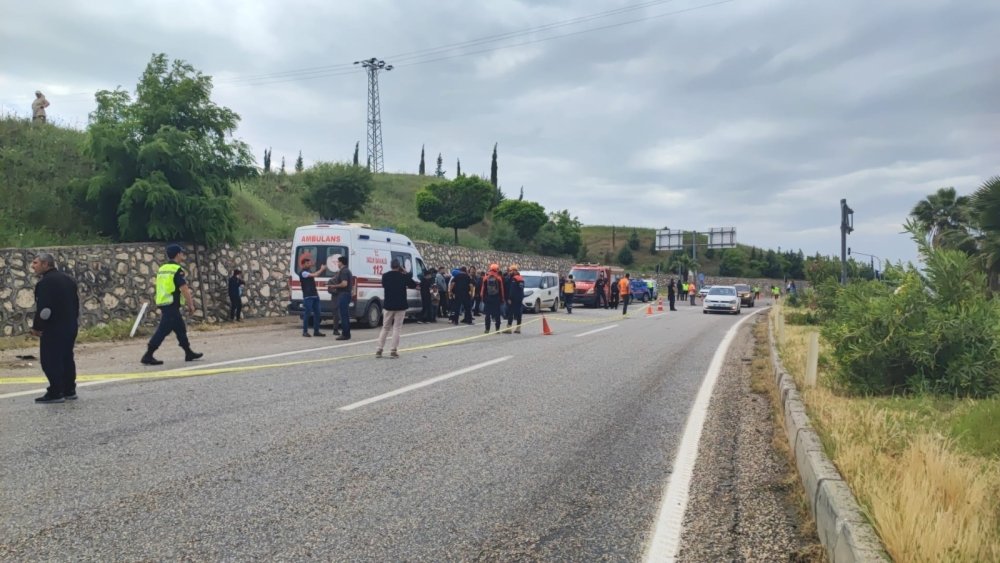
(369,253)
(585,276)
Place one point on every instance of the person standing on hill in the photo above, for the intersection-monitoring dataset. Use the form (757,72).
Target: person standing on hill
(493,296)
(625,292)
(172,291)
(38,108)
(56,323)
(394,282)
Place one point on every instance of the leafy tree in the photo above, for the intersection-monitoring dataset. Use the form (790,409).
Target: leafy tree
(633,240)
(357,148)
(684,263)
(298,163)
(709,253)
(421,170)
(504,237)
(166,159)
(457,204)
(942,215)
(439,172)
(734,263)
(337,190)
(525,216)
(267,161)
(458,167)
(652,246)
(583,256)
(570,230)
(549,241)
(282,169)
(625,256)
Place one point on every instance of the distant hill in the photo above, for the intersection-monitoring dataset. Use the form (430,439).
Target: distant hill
(40,164)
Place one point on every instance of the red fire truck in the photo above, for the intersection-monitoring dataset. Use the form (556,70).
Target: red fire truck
(585,276)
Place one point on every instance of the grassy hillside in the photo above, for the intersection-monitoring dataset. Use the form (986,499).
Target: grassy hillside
(40,165)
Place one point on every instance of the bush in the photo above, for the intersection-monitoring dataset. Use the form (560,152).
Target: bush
(935,334)
(503,237)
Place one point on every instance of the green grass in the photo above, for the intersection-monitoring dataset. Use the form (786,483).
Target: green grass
(976,427)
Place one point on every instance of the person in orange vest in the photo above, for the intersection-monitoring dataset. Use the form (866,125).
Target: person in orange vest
(692,291)
(569,290)
(493,294)
(624,291)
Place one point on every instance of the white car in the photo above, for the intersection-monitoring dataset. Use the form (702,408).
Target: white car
(541,289)
(723,298)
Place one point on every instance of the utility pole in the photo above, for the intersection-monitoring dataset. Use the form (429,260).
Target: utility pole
(846,227)
(375,157)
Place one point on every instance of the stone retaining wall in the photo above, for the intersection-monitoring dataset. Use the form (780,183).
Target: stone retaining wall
(115,280)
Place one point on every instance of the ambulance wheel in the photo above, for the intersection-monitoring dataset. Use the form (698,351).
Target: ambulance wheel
(373,315)
(555,306)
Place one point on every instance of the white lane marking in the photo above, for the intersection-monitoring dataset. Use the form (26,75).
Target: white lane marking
(239,361)
(666,539)
(423,383)
(609,327)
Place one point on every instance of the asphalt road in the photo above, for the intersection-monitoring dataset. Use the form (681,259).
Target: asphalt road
(532,447)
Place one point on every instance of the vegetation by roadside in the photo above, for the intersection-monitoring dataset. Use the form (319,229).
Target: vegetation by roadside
(925,468)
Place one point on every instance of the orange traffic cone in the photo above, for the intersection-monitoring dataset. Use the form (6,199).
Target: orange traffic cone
(649,309)
(546,331)
(659,305)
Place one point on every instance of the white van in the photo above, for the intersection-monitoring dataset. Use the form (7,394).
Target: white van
(369,252)
(541,289)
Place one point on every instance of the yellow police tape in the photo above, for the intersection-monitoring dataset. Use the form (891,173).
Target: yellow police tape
(223,370)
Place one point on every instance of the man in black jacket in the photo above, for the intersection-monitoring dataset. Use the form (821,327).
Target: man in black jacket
(56,323)
(394,284)
(461,296)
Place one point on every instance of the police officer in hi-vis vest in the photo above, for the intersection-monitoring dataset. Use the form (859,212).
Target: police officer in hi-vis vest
(172,291)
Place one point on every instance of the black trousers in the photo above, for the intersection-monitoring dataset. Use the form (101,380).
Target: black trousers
(56,352)
(459,303)
(492,312)
(673,299)
(428,305)
(235,308)
(601,297)
(514,310)
(625,299)
(171,321)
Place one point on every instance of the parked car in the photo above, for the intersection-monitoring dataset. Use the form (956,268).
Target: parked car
(541,289)
(639,290)
(745,293)
(722,298)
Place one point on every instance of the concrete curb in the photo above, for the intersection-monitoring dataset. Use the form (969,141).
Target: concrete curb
(842,528)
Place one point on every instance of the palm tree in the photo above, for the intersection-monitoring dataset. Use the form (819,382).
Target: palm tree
(685,264)
(944,217)
(985,205)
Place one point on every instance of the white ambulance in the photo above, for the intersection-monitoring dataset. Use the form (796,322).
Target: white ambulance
(369,252)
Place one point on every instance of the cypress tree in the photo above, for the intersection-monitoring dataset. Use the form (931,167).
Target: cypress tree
(298,163)
(357,147)
(421,171)
(458,167)
(493,167)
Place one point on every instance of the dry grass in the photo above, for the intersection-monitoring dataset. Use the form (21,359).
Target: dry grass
(762,382)
(928,499)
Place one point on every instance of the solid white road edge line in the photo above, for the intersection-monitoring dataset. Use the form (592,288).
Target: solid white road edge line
(595,330)
(240,360)
(423,383)
(666,538)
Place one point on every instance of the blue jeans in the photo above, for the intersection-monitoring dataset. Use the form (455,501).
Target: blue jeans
(344,305)
(310,307)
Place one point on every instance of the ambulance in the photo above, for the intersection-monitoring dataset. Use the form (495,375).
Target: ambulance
(369,253)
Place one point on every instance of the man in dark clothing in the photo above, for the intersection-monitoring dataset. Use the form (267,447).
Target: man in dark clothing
(477,298)
(394,285)
(343,283)
(613,292)
(493,296)
(426,299)
(310,296)
(671,294)
(600,286)
(515,299)
(443,278)
(236,284)
(461,296)
(172,291)
(56,323)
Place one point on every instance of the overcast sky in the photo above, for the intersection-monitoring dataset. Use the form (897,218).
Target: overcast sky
(756,114)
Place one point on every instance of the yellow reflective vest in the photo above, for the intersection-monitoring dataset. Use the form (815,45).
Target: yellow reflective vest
(165,287)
